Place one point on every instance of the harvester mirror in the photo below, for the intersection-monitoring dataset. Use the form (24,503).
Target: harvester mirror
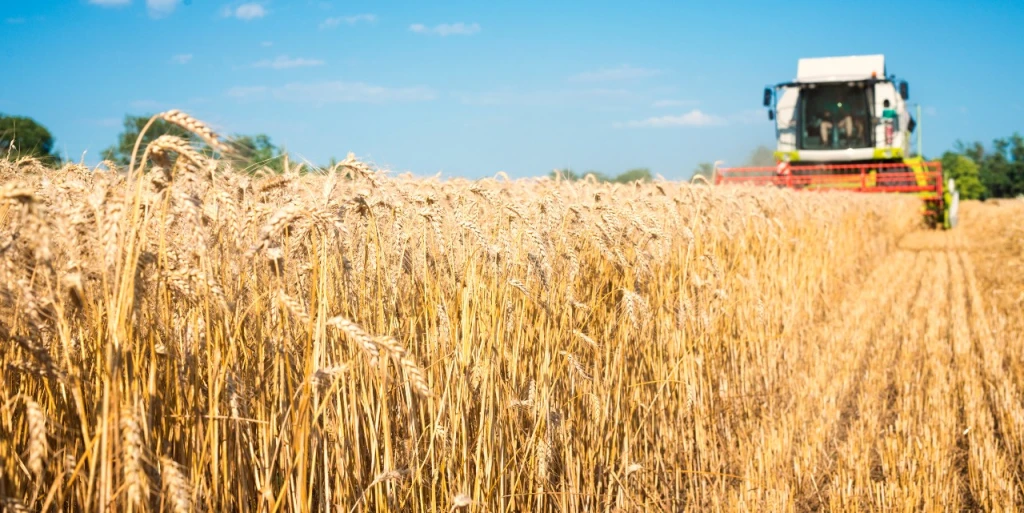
(771,114)
(767,96)
(904,90)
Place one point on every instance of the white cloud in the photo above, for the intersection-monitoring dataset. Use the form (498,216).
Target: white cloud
(321,93)
(267,44)
(110,3)
(161,8)
(285,62)
(446,29)
(931,111)
(549,98)
(624,72)
(673,103)
(182,58)
(693,118)
(348,20)
(15,21)
(247,12)
(351,92)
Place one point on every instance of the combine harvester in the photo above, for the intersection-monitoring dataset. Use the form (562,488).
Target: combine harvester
(843,124)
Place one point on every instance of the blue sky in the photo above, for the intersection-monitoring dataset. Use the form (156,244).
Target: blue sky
(474,88)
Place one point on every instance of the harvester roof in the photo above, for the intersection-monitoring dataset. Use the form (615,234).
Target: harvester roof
(839,69)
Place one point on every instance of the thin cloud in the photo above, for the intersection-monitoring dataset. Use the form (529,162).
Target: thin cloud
(348,20)
(285,62)
(328,92)
(693,118)
(548,98)
(661,104)
(110,3)
(267,44)
(624,72)
(931,111)
(446,29)
(246,12)
(161,8)
(14,21)
(182,58)
(750,117)
(351,92)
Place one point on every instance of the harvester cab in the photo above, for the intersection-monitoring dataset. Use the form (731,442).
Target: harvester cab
(843,123)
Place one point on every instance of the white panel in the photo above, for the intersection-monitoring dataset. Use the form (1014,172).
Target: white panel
(785,117)
(831,69)
(844,155)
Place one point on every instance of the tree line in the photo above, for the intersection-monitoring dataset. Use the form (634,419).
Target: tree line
(24,137)
(993,172)
(980,172)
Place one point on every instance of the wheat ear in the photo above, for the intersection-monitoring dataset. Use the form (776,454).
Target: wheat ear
(197,127)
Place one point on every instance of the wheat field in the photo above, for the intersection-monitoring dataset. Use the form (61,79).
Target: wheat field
(192,338)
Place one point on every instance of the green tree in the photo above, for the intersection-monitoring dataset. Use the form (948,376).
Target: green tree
(632,175)
(570,175)
(1001,168)
(966,173)
(975,150)
(565,174)
(24,137)
(705,169)
(1015,166)
(256,152)
(248,152)
(761,156)
(122,152)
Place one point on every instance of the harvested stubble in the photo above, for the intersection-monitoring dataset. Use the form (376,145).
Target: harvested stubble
(346,340)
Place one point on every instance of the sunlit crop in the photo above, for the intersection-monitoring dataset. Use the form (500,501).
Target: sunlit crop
(187,337)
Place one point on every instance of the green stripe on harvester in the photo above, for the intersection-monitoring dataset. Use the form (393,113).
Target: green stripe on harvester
(781,156)
(917,165)
(887,153)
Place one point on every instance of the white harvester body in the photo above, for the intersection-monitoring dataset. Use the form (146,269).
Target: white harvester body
(835,111)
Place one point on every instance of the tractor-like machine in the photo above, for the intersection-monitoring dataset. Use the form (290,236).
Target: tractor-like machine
(843,123)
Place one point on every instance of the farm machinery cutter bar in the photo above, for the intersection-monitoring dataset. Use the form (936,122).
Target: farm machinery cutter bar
(913,176)
(844,124)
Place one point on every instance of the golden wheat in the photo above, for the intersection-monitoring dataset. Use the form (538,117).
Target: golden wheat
(347,340)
